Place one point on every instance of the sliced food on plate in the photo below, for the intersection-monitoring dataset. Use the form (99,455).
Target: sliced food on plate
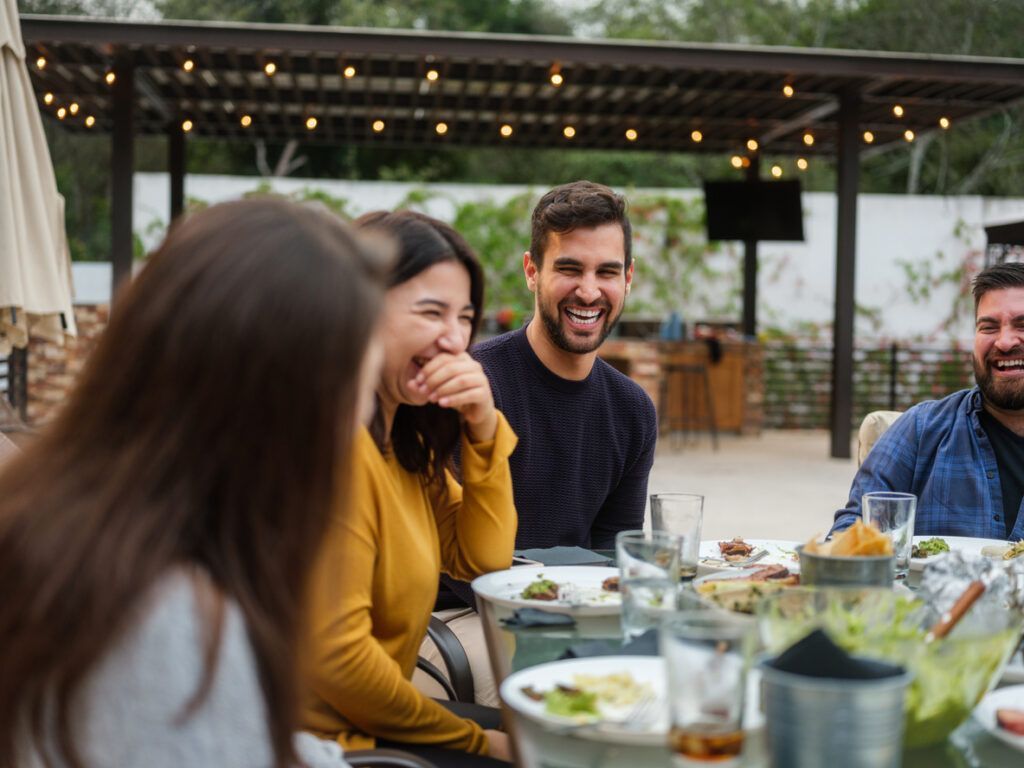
(742,592)
(1011,720)
(735,549)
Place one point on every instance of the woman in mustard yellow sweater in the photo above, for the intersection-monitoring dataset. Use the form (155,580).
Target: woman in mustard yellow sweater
(408,519)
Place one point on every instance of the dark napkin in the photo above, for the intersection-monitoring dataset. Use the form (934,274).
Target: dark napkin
(535,617)
(817,656)
(642,645)
(564,556)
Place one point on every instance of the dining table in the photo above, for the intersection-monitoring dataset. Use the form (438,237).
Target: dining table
(536,745)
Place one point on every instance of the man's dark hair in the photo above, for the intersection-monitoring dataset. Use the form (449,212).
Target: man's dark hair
(998,277)
(578,205)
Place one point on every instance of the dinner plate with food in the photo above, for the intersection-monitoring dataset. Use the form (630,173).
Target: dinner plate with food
(618,699)
(581,590)
(739,591)
(1001,713)
(928,548)
(729,554)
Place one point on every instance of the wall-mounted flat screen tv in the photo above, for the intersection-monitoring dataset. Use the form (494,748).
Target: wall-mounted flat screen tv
(753,210)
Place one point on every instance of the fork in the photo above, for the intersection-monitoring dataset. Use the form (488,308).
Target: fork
(738,563)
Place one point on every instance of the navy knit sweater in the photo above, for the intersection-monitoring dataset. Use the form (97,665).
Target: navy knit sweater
(585,450)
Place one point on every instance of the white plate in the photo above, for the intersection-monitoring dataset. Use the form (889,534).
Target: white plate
(1004,698)
(963,544)
(506,588)
(544,677)
(780,552)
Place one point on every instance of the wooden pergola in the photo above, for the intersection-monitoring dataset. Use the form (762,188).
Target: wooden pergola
(388,88)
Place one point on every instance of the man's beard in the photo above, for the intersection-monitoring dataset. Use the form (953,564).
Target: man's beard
(1006,395)
(562,340)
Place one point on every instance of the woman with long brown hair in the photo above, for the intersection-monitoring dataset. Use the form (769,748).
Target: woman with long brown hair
(156,541)
(408,518)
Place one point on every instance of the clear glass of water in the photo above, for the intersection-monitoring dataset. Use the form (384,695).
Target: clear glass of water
(648,578)
(680,514)
(707,654)
(893,513)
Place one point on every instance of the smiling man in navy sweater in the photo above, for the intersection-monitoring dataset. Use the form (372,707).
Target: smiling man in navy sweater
(586,431)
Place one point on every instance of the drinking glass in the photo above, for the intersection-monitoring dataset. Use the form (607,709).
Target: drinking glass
(648,578)
(707,654)
(680,514)
(893,513)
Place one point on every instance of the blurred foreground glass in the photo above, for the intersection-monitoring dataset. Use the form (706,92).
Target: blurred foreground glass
(648,578)
(680,514)
(893,514)
(707,654)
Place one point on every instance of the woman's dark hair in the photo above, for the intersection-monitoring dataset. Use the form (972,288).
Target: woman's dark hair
(424,437)
(204,433)
(578,205)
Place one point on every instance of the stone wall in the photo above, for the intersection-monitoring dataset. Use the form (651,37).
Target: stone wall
(52,368)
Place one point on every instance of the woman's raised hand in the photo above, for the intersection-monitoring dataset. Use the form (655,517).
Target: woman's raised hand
(455,380)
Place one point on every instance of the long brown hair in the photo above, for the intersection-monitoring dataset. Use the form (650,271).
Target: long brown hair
(424,437)
(205,430)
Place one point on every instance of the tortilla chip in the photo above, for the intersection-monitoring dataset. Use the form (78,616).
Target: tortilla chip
(859,540)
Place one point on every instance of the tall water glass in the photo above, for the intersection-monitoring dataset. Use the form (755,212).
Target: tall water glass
(648,578)
(707,654)
(893,513)
(680,514)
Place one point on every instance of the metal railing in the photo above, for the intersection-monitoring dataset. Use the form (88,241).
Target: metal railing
(798,380)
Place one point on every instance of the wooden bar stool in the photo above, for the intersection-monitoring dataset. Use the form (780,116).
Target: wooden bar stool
(686,399)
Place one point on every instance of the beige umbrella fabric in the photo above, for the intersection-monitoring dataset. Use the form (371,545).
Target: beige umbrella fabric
(35,265)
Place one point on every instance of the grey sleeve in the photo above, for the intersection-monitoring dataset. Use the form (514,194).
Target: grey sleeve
(137,696)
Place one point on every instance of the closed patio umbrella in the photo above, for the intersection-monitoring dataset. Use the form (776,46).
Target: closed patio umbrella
(35,268)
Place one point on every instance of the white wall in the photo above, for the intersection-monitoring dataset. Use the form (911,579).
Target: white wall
(796,279)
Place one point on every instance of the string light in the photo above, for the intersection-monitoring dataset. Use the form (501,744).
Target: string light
(61,113)
(47,99)
(378,126)
(697,137)
(90,121)
(188,65)
(73,108)
(787,91)
(801,163)
(777,171)
(506,130)
(270,68)
(41,62)
(568,131)
(897,110)
(311,123)
(908,135)
(557,79)
(441,128)
(246,121)
(745,162)
(869,137)
(110,77)
(944,123)
(809,139)
(736,161)
(432,75)
(631,134)
(349,72)
(752,145)
(186,125)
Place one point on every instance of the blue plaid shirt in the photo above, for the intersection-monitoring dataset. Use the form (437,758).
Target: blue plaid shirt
(938,451)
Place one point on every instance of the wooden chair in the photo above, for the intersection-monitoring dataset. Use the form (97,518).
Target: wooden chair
(686,401)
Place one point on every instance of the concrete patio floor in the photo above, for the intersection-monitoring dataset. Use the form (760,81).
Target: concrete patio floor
(779,485)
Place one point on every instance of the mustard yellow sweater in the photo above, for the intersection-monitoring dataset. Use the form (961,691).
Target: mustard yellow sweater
(375,585)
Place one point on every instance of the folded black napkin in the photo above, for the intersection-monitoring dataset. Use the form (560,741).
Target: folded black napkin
(817,656)
(535,617)
(642,645)
(564,556)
